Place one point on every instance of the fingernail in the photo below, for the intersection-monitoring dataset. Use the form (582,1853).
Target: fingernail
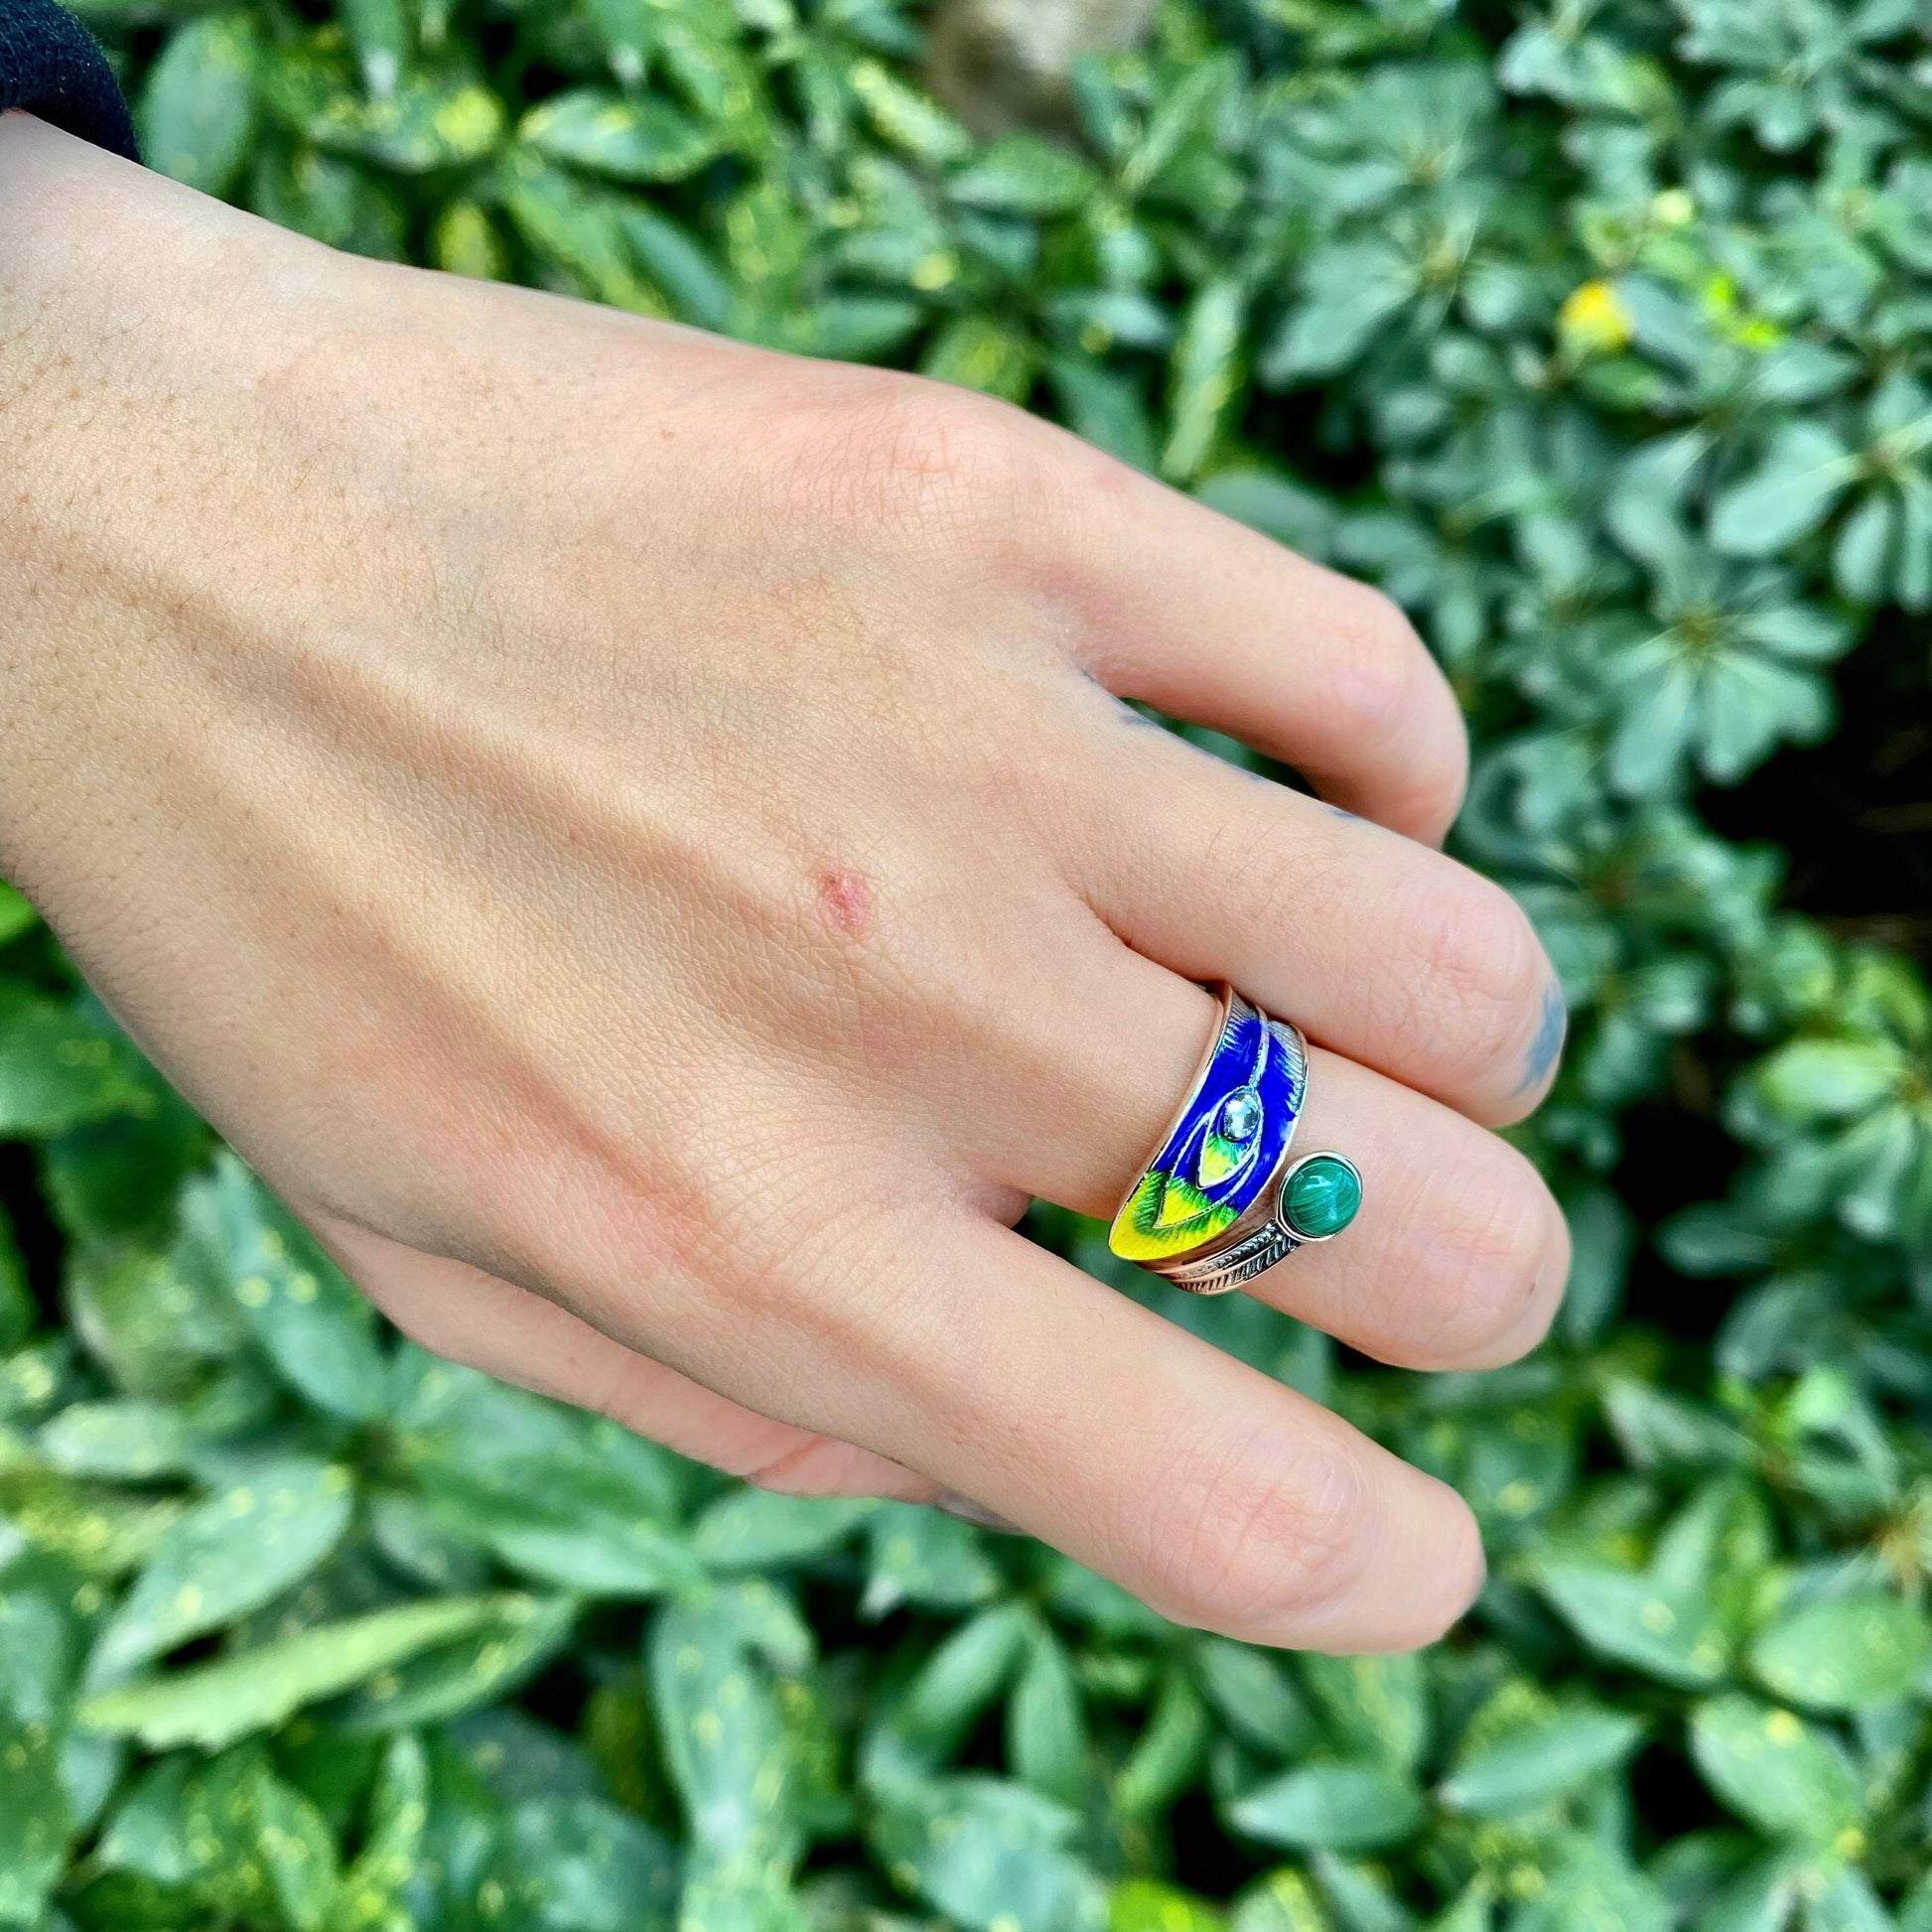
(968,1511)
(1546,1048)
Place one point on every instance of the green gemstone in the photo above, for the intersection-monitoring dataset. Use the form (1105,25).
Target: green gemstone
(1323,1195)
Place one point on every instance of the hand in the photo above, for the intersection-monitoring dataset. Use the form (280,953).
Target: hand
(638,839)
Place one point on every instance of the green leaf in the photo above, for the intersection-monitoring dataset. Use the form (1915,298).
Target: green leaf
(1021,174)
(981,352)
(477,1667)
(34,1816)
(679,265)
(1540,1762)
(133,1441)
(1168,1753)
(843,328)
(241,1549)
(1147,1906)
(1373,1705)
(432,120)
(382,33)
(375,1886)
(1658,1428)
(16,914)
(1346,1806)
(991,1857)
(1861,556)
(1351,291)
(102,1530)
(1283,1901)
(723,1738)
(214,1703)
(758,1529)
(1362,1895)
(336,201)
(628,137)
(36,1648)
(297,1851)
(1771,1767)
(1804,473)
(623,29)
(907,118)
(197,109)
(1206,383)
(1274,503)
(1252,1695)
(316,1329)
(961,1678)
(596,1555)
(1667,1630)
(1104,406)
(916,1554)
(579,1864)
(1830,1078)
(60,1068)
(1592,1885)
(118,1180)
(579,231)
(1046,1732)
(1845,1653)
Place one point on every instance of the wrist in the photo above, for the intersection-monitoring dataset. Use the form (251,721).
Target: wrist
(114,279)
(138,323)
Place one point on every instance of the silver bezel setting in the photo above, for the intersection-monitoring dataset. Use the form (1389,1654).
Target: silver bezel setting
(1288,1174)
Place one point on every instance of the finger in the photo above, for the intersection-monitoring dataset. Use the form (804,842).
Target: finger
(1217,1495)
(1189,611)
(1375,946)
(1459,1254)
(944,1342)
(469,1317)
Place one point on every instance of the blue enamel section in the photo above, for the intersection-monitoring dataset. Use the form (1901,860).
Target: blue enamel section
(1232,1169)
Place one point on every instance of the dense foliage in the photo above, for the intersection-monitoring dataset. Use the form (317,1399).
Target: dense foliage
(1598,336)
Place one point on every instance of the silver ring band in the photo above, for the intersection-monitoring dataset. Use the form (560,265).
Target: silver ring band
(1223,1199)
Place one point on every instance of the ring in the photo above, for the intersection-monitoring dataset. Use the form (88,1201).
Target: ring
(1222,1199)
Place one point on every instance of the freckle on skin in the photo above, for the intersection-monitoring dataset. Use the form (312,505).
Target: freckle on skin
(847,900)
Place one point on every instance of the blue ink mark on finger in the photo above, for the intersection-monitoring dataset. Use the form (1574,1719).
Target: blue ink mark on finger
(1547,1046)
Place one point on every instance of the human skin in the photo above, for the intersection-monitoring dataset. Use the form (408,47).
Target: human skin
(639,841)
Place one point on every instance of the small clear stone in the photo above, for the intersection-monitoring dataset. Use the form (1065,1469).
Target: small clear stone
(1240,1115)
(1323,1195)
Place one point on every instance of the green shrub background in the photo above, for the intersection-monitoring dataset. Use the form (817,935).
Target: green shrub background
(1599,337)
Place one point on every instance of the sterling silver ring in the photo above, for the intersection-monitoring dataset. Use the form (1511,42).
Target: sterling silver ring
(1223,1199)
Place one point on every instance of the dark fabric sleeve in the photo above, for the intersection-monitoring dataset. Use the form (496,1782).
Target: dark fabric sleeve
(50,64)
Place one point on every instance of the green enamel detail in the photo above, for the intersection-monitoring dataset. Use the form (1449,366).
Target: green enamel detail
(1322,1195)
(1165,1216)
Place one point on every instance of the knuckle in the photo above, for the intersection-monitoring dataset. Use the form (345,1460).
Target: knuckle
(1379,657)
(1383,684)
(1251,1550)
(1482,971)
(893,454)
(1432,793)
(1495,1267)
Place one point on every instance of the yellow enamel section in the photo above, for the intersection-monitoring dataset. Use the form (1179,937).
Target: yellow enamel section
(1163,1218)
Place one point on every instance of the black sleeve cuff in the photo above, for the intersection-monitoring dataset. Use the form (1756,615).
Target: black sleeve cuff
(51,66)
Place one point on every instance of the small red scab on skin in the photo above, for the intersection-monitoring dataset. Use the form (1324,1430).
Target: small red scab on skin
(847,900)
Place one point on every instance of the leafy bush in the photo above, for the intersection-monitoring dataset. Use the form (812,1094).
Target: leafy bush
(1599,337)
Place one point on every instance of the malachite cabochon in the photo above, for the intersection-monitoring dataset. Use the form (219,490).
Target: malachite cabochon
(1322,1195)
(1226,1147)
